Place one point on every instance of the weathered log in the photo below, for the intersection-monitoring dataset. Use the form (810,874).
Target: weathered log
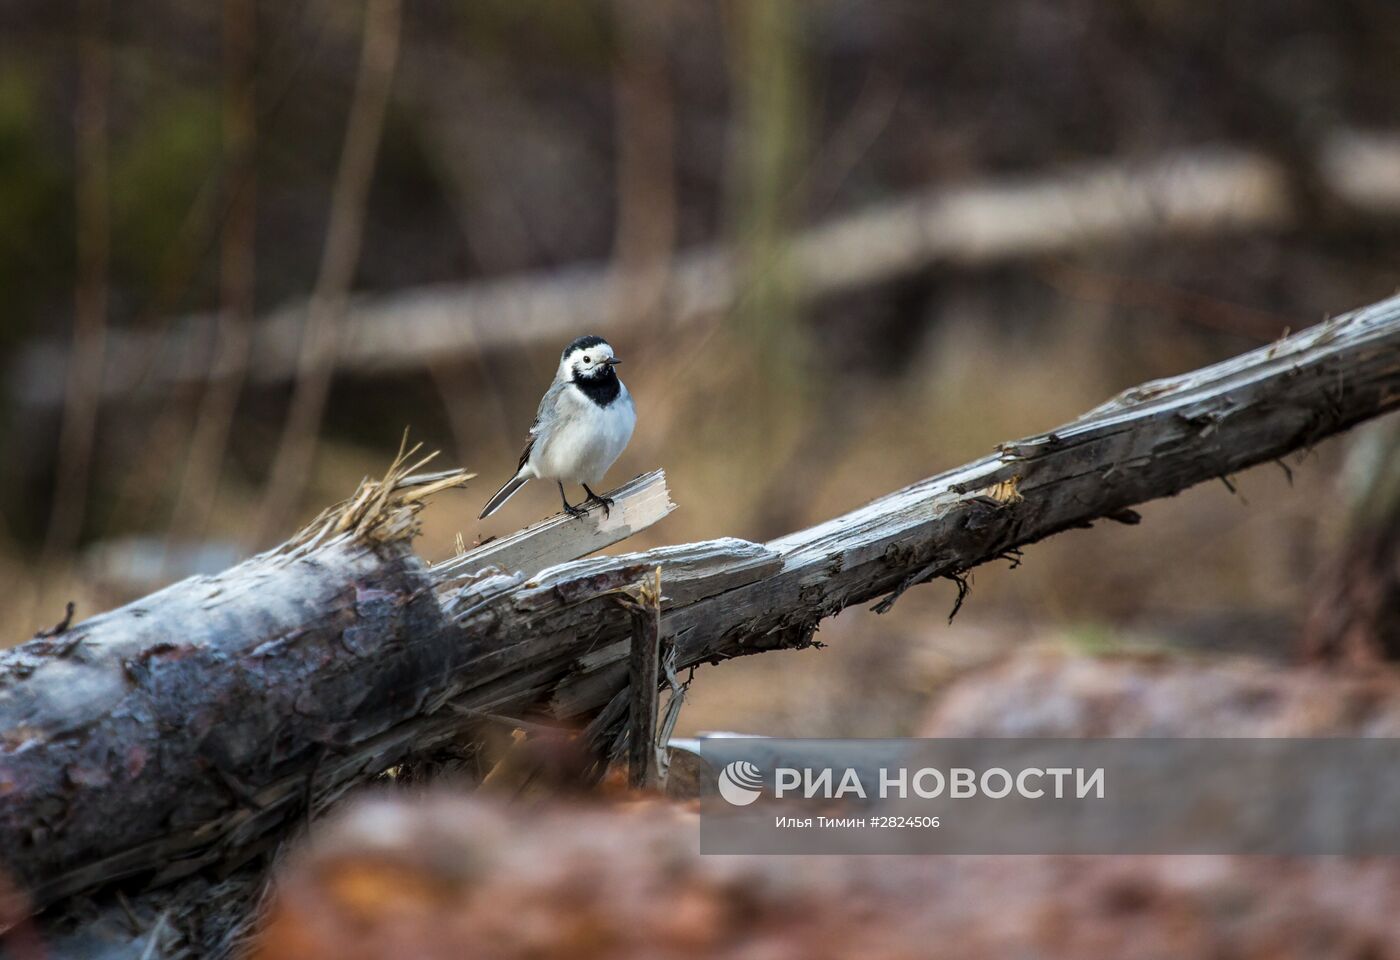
(192,729)
(157,738)
(1205,190)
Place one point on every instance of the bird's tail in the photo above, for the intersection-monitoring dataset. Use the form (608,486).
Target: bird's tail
(502,495)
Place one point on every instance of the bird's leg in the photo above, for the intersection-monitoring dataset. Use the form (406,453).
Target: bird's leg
(569,508)
(607,502)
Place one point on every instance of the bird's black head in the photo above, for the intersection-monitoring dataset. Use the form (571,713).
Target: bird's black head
(589,362)
(583,343)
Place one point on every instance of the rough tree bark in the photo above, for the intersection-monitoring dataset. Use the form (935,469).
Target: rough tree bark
(190,731)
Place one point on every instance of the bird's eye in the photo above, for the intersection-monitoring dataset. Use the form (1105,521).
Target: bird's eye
(587,359)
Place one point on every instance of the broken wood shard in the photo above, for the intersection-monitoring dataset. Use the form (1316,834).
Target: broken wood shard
(194,728)
(644,679)
(639,503)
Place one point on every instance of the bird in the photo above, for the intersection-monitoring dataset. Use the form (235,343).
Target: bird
(583,424)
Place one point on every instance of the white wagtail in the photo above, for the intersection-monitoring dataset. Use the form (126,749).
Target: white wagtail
(581,427)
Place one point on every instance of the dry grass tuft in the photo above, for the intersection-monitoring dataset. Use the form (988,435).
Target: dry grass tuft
(387,509)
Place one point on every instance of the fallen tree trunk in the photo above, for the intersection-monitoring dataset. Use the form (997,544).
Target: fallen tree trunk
(1204,191)
(203,715)
(193,729)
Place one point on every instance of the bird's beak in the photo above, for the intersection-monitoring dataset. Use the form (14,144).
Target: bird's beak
(612,361)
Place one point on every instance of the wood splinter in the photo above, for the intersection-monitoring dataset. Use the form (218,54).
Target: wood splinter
(644,668)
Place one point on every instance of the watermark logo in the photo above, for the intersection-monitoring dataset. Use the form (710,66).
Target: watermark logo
(740,783)
(1335,795)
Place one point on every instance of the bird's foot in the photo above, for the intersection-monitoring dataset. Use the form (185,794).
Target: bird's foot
(605,502)
(575,512)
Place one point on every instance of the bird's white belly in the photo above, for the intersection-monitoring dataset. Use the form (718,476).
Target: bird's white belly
(583,446)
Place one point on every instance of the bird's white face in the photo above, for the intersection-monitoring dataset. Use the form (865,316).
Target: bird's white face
(588,362)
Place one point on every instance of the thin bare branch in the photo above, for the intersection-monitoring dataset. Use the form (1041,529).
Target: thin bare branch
(645,136)
(237,277)
(82,391)
(320,337)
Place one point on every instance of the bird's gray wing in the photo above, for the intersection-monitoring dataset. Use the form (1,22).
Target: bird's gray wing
(546,417)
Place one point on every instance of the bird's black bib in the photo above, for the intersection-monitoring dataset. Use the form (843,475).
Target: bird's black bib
(602,389)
